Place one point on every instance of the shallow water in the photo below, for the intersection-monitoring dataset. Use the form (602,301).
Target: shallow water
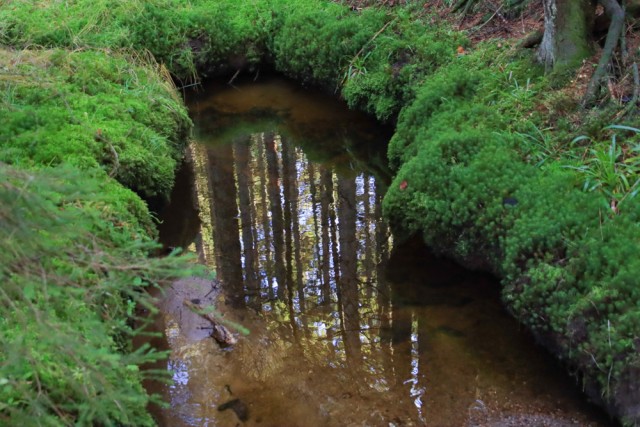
(282,199)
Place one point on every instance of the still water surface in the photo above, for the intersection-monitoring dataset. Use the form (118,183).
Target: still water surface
(281,198)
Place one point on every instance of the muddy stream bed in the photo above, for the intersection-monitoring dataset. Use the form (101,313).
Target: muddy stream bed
(337,325)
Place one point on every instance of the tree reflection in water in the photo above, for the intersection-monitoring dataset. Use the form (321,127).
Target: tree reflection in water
(286,229)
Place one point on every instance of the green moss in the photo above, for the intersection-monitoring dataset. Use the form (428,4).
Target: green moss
(317,44)
(74,241)
(92,109)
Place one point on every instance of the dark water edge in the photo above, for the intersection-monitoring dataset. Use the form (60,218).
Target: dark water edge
(345,328)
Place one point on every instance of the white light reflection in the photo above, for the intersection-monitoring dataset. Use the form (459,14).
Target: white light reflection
(321,329)
(180,372)
(416,390)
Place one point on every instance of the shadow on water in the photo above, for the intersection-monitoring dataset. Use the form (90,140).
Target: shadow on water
(281,197)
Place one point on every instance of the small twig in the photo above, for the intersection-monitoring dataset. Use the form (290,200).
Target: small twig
(596,362)
(611,88)
(230,82)
(357,55)
(488,20)
(191,85)
(213,288)
(219,332)
(601,232)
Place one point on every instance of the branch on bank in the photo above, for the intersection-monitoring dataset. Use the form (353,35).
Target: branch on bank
(219,332)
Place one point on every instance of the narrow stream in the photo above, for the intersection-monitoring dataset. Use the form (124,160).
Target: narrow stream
(281,198)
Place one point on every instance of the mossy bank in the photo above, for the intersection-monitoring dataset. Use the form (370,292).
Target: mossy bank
(80,130)
(478,172)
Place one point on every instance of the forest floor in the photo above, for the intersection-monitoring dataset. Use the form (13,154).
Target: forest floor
(488,20)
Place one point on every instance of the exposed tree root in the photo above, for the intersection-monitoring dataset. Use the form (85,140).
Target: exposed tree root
(636,76)
(616,13)
(532,39)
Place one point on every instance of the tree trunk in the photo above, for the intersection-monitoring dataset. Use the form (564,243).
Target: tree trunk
(316,229)
(567,25)
(295,225)
(325,189)
(264,210)
(287,191)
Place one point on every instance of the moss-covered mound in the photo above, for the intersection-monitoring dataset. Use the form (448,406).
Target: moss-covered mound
(92,109)
(375,58)
(78,128)
(478,174)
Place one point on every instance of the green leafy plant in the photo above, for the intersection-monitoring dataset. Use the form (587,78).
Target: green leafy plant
(539,146)
(612,169)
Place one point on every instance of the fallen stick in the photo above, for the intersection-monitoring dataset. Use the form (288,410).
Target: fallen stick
(219,332)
